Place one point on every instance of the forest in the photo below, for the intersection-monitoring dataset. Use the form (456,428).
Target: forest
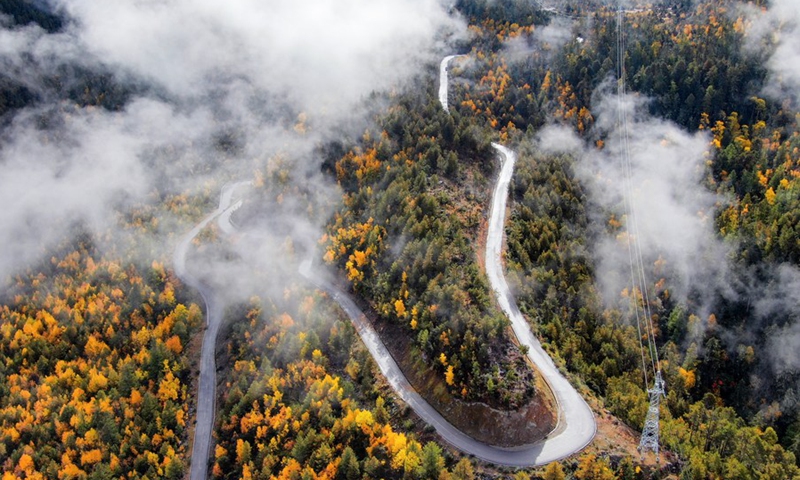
(95,378)
(99,346)
(691,62)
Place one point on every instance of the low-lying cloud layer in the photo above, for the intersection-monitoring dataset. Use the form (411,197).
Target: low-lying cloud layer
(778,27)
(319,55)
(674,225)
(781,302)
(674,211)
(211,90)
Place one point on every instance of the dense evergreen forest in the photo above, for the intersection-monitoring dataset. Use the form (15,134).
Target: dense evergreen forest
(98,347)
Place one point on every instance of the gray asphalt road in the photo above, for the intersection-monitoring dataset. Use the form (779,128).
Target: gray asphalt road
(576,425)
(520,457)
(206,389)
(444,82)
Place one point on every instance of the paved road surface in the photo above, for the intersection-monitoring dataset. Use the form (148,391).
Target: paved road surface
(206,389)
(443,81)
(519,457)
(576,426)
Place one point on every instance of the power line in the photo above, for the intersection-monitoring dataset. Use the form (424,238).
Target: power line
(622,119)
(650,432)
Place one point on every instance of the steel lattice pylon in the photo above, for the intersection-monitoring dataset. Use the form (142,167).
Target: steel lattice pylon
(649,439)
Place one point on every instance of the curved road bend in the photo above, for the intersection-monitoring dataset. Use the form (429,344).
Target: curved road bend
(206,389)
(576,425)
(443,81)
(517,457)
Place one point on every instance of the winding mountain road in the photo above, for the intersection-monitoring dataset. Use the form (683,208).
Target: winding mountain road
(525,456)
(576,425)
(207,385)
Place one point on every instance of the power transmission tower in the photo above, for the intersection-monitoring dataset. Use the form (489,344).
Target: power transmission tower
(649,439)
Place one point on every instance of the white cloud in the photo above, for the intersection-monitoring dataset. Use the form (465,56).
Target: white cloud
(320,54)
(674,211)
(779,303)
(559,139)
(201,69)
(48,181)
(779,26)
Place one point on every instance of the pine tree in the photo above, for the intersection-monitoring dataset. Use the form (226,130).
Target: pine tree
(348,468)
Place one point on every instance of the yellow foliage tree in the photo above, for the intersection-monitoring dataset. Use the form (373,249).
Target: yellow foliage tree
(688,377)
(243,450)
(400,308)
(174,345)
(770,196)
(25,463)
(95,348)
(91,457)
(168,388)
(554,471)
(592,468)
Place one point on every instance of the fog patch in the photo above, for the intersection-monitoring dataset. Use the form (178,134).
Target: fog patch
(212,91)
(672,210)
(559,139)
(775,32)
